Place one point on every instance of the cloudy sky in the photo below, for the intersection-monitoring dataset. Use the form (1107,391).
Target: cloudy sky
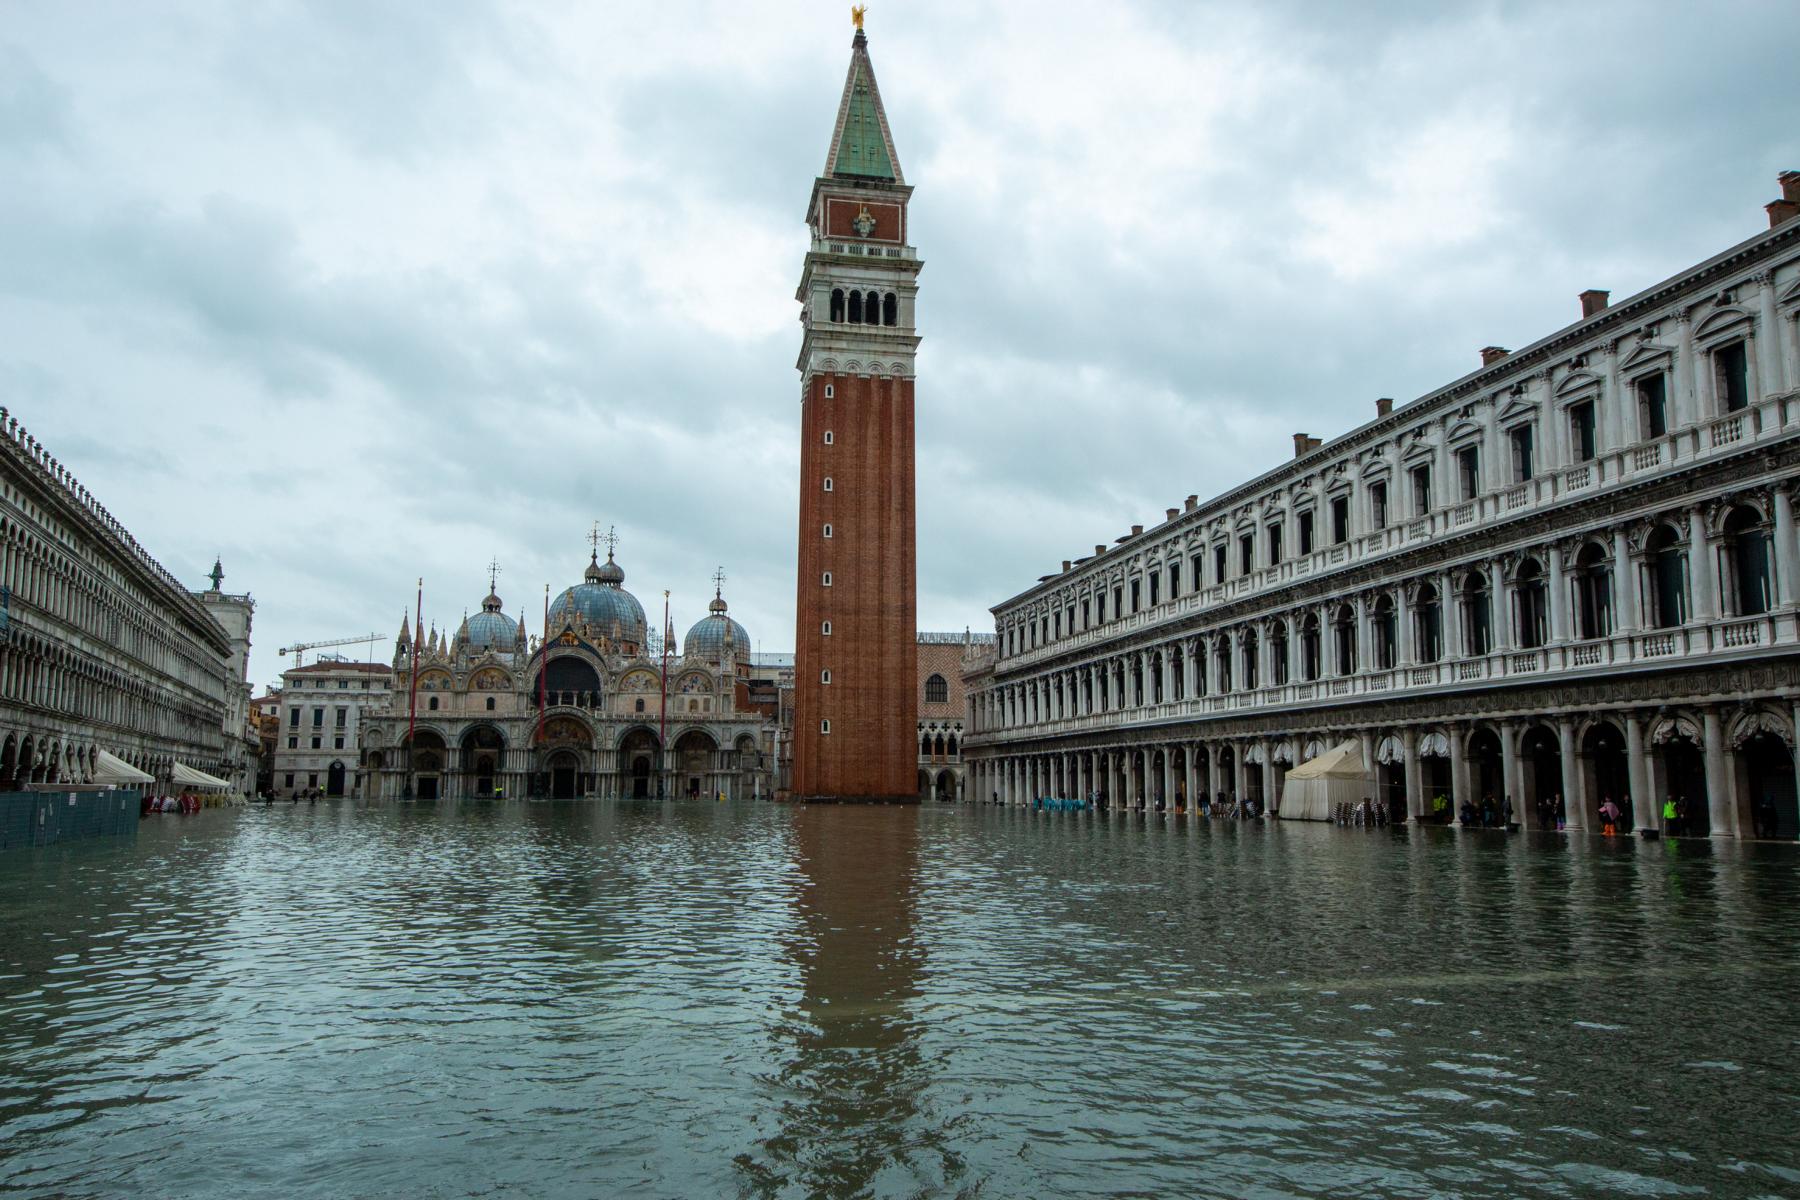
(352,293)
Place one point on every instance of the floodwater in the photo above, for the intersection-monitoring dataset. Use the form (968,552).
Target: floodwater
(695,1000)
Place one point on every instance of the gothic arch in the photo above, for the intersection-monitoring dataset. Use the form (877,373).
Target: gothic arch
(1759,720)
(1671,726)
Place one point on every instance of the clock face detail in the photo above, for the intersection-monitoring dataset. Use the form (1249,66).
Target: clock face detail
(864,223)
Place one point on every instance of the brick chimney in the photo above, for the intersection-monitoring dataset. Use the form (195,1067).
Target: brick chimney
(1170,514)
(1790,185)
(1302,444)
(1384,406)
(1592,301)
(1099,550)
(1191,503)
(1136,529)
(1493,354)
(1065,564)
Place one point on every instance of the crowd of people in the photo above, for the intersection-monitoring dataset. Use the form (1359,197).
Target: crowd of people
(1221,805)
(186,802)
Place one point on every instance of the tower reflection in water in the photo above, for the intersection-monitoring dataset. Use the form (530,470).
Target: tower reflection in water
(848,1101)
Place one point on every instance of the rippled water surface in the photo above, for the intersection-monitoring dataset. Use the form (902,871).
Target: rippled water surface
(739,1000)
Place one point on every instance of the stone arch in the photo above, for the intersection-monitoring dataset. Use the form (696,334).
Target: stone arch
(1757,721)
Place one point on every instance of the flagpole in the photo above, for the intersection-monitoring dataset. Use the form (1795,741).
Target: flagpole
(412,687)
(662,723)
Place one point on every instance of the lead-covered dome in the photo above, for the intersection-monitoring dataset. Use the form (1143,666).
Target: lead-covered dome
(490,629)
(600,599)
(717,636)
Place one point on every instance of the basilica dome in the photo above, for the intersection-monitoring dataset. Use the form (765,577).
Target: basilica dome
(601,599)
(490,629)
(707,639)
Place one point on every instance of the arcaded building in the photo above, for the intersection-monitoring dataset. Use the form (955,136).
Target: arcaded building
(943,709)
(101,648)
(1572,573)
(854,675)
(587,702)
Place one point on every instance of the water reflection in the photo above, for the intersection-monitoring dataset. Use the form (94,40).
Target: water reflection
(848,1096)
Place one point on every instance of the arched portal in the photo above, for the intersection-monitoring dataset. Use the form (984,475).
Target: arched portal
(1540,758)
(696,758)
(1683,770)
(1607,772)
(639,752)
(564,769)
(427,761)
(1768,769)
(1487,778)
(334,779)
(568,680)
(483,749)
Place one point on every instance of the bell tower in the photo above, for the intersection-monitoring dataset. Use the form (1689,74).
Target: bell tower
(855,648)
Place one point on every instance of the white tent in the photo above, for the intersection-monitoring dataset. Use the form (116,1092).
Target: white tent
(116,772)
(1319,785)
(185,776)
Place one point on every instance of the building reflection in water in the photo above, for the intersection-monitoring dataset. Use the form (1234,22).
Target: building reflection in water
(848,1099)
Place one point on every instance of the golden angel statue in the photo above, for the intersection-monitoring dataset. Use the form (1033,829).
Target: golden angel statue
(856,14)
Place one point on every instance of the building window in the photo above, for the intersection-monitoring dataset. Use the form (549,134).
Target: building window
(1246,553)
(1274,540)
(1421,490)
(1524,464)
(1731,367)
(1530,599)
(1378,512)
(337,743)
(1593,592)
(312,779)
(1340,520)
(318,718)
(1086,613)
(828,483)
(1197,573)
(639,707)
(827,529)
(937,691)
(828,437)
(315,743)
(825,630)
(293,743)
(1155,588)
(343,685)
(837,314)
(825,579)
(490,704)
(824,725)
(1219,563)
(1468,472)
(343,716)
(890,309)
(432,704)
(1747,552)
(287,780)
(1652,396)
(1668,578)
(1478,630)
(293,718)
(1137,594)
(1430,624)
(1306,532)
(1175,582)
(1581,431)
(830,392)
(1344,634)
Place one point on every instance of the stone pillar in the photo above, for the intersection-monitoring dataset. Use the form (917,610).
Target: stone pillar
(1559,595)
(1509,774)
(1459,786)
(1768,337)
(1415,775)
(1450,616)
(1271,798)
(1500,614)
(1624,584)
(1646,813)
(1214,783)
(1787,585)
(1612,412)
(1191,772)
(1702,574)
(1686,403)
(1575,801)
(1719,807)
(1168,776)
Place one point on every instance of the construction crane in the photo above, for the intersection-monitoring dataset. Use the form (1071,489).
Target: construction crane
(299,649)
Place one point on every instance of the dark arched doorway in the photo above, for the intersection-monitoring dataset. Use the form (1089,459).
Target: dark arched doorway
(638,755)
(564,767)
(1541,761)
(1487,776)
(1684,782)
(334,779)
(1608,772)
(482,748)
(1768,766)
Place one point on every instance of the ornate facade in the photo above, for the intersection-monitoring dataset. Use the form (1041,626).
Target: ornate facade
(576,712)
(1572,573)
(100,647)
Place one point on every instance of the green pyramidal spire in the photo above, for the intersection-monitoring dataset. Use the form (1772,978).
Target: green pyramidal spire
(860,145)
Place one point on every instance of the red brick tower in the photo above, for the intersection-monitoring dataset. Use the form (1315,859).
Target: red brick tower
(855,646)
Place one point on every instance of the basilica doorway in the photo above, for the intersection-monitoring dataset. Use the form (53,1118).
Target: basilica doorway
(638,754)
(565,775)
(427,756)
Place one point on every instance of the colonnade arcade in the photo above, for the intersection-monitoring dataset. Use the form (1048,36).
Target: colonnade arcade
(569,760)
(1731,767)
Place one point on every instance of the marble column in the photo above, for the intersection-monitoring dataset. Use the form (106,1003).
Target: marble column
(1787,585)
(1720,809)
(1459,786)
(1768,337)
(1624,584)
(1684,401)
(1702,576)
(1415,775)
(1575,801)
(1645,812)
(1559,595)
(1509,774)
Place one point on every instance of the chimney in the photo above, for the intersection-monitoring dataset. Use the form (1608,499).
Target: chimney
(1065,564)
(1099,550)
(1493,354)
(1170,515)
(1384,406)
(1592,301)
(1790,186)
(1302,443)
(1136,529)
(1191,503)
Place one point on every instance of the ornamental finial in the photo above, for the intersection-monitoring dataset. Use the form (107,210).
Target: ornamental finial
(856,14)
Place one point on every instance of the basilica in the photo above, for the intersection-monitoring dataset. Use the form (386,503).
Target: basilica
(596,705)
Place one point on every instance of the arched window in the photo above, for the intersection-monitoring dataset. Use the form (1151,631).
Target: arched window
(490,704)
(936,690)
(856,308)
(1429,621)
(825,675)
(938,745)
(1530,605)
(924,745)
(1278,652)
(1477,615)
(1343,628)
(1222,657)
(827,529)
(1747,550)
(640,706)
(1386,630)
(1310,658)
(1593,592)
(951,747)
(890,309)
(837,304)
(828,483)
(828,437)
(824,726)
(432,704)
(1251,648)
(1667,561)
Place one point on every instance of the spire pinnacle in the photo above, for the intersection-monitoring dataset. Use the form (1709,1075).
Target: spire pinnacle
(862,147)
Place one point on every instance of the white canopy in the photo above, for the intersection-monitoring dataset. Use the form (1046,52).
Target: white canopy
(113,770)
(186,776)
(1315,787)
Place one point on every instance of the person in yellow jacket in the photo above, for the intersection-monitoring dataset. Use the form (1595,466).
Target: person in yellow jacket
(1669,816)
